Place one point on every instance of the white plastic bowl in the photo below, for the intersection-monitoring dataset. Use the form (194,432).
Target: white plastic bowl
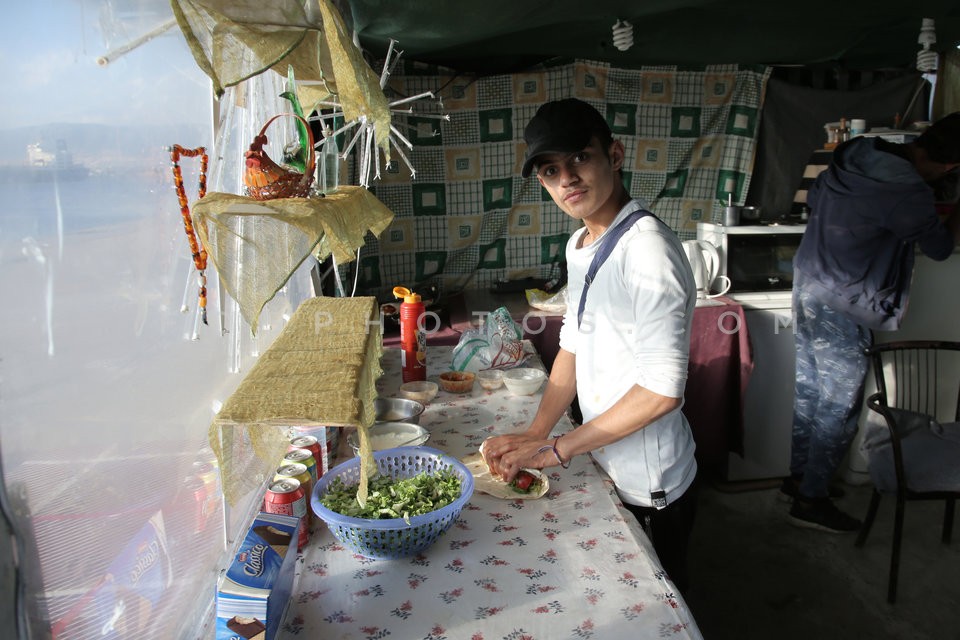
(490,379)
(524,381)
(422,391)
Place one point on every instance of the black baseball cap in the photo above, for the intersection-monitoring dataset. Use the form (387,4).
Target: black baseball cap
(562,126)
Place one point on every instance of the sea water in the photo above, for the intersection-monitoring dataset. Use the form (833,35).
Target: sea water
(44,208)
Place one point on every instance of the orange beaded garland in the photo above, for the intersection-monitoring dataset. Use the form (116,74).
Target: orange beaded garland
(198,252)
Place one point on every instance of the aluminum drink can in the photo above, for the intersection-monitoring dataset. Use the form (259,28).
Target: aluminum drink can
(294,470)
(208,473)
(331,441)
(286,497)
(299,473)
(303,456)
(194,487)
(311,443)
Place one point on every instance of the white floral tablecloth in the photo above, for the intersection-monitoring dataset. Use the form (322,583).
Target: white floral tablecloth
(572,564)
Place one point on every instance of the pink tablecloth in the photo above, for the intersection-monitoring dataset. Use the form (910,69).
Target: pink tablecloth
(720,366)
(570,565)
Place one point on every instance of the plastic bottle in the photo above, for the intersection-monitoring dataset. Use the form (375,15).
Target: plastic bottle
(413,341)
(328,166)
(844,130)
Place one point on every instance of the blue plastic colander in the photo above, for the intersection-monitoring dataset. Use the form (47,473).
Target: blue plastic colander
(393,538)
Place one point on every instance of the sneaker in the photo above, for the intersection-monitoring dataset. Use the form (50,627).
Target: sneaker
(823,515)
(791,487)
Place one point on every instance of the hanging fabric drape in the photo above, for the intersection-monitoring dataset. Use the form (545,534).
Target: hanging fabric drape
(233,40)
(256,246)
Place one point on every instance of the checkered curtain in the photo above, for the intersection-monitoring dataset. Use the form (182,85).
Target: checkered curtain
(467,219)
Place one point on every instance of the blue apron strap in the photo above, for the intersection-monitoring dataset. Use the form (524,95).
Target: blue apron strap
(610,240)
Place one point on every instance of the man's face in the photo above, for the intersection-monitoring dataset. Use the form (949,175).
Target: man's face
(583,181)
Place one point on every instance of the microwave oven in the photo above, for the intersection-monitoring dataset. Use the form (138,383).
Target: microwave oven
(755,257)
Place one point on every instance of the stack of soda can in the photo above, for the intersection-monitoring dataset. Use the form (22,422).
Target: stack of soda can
(325,452)
(307,458)
(286,497)
(297,471)
(203,487)
(311,444)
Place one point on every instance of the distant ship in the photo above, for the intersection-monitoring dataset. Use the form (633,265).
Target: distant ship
(43,166)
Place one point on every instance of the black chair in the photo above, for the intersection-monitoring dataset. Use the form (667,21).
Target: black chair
(914,453)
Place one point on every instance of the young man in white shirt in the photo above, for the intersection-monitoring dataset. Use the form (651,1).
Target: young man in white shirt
(624,355)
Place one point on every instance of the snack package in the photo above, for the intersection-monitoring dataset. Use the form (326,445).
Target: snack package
(497,344)
(253,595)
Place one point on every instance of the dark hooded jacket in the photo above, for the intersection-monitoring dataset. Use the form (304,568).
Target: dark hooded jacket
(868,211)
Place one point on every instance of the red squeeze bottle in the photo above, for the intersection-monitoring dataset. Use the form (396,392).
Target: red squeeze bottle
(413,341)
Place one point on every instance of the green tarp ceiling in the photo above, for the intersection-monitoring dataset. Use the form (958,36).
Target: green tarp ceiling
(498,36)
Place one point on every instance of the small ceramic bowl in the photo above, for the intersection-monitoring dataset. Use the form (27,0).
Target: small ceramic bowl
(490,379)
(422,391)
(388,435)
(523,381)
(397,410)
(457,381)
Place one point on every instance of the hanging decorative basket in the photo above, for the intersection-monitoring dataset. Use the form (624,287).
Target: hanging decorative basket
(266,180)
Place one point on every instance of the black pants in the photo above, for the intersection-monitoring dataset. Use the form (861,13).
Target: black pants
(669,530)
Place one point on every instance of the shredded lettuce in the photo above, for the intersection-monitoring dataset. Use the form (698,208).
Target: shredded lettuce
(389,497)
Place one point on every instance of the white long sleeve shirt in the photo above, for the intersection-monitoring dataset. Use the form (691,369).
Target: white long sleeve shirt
(635,330)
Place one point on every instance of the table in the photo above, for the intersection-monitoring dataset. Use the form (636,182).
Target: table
(721,363)
(573,564)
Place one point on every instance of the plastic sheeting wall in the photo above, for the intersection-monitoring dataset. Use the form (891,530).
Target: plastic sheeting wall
(105,398)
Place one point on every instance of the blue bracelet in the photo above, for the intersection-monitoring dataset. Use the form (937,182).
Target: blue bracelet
(548,447)
(564,465)
(553,447)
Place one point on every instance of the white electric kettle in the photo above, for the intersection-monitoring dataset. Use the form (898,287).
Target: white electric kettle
(704,260)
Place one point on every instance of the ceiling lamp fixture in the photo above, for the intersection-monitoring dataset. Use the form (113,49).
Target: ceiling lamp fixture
(622,35)
(927,58)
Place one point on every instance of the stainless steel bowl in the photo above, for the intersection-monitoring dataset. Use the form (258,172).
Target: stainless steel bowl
(387,435)
(397,410)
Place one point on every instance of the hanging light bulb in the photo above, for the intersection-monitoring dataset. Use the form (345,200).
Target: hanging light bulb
(622,35)
(927,58)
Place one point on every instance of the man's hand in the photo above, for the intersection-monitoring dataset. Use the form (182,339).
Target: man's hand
(507,455)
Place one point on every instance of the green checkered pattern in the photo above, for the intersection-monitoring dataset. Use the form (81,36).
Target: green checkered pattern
(467,219)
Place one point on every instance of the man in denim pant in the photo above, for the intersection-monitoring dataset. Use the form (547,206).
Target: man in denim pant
(852,273)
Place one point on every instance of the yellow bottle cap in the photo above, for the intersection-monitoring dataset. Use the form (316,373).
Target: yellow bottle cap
(407,295)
